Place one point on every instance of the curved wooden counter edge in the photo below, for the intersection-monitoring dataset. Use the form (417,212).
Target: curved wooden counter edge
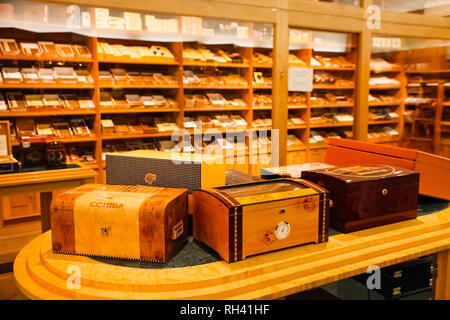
(41,274)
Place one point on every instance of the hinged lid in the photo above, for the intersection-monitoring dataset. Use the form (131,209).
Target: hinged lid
(366,178)
(268,191)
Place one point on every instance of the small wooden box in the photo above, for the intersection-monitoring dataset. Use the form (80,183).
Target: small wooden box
(434,170)
(368,196)
(132,222)
(242,220)
(7,162)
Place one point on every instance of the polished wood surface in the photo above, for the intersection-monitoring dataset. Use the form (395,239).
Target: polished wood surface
(42,274)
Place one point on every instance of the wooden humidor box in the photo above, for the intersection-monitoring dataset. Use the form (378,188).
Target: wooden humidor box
(131,222)
(242,220)
(8,164)
(434,170)
(368,196)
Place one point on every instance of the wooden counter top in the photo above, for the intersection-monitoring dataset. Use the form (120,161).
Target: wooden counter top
(41,274)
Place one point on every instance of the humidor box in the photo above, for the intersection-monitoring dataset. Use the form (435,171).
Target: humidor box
(129,222)
(434,170)
(238,221)
(368,196)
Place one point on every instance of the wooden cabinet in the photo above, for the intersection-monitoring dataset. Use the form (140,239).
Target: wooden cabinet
(296,157)
(21,205)
(239,163)
(317,155)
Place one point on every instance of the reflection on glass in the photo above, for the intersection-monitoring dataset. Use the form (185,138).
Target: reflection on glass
(348,2)
(429,7)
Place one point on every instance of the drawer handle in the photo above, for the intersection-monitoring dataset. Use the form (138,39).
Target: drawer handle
(282,211)
(384,192)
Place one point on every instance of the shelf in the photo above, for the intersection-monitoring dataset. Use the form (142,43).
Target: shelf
(422,139)
(300,126)
(445,123)
(31,58)
(324,125)
(384,104)
(9,114)
(336,105)
(138,110)
(385,87)
(215,109)
(296,149)
(169,133)
(263,108)
(217,87)
(262,66)
(215,64)
(446,104)
(137,86)
(334,68)
(261,87)
(45,86)
(391,70)
(299,107)
(428,71)
(139,61)
(66,140)
(383,122)
(318,146)
(332,87)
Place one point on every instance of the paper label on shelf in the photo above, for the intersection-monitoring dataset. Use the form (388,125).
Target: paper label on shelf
(300,79)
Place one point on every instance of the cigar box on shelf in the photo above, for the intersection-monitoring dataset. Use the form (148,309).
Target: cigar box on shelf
(62,130)
(108,127)
(64,50)
(65,75)
(45,129)
(105,78)
(11,75)
(79,127)
(3,104)
(8,164)
(52,102)
(242,220)
(120,125)
(120,76)
(30,75)
(48,49)
(106,100)
(434,170)
(9,47)
(25,127)
(83,76)
(119,99)
(134,100)
(367,196)
(30,49)
(148,125)
(86,103)
(82,51)
(69,102)
(34,102)
(46,75)
(129,222)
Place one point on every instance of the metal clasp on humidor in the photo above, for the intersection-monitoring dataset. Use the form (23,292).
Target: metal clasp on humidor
(384,192)
(282,211)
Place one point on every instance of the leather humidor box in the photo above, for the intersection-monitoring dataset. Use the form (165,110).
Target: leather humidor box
(368,196)
(434,170)
(241,220)
(130,222)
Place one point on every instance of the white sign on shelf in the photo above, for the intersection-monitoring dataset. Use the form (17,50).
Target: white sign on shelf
(300,79)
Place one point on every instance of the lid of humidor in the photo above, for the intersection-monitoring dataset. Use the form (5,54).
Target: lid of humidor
(268,191)
(361,178)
